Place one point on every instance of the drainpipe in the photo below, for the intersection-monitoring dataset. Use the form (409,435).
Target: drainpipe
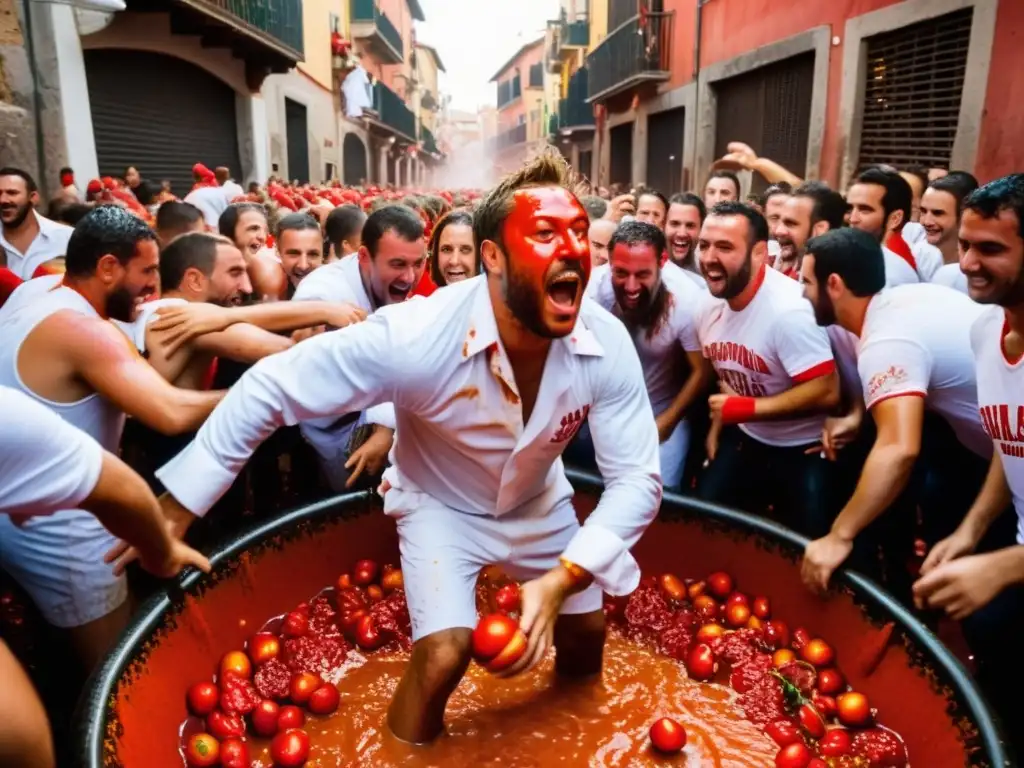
(37,99)
(697,29)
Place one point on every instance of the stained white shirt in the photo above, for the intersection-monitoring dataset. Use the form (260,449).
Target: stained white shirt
(211,202)
(1001,401)
(50,243)
(916,341)
(950,276)
(462,439)
(46,464)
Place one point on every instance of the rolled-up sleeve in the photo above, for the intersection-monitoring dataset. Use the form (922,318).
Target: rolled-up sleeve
(329,375)
(625,439)
(383,414)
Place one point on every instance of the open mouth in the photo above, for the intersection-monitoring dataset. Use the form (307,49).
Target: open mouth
(680,246)
(563,290)
(631,300)
(398,292)
(454,275)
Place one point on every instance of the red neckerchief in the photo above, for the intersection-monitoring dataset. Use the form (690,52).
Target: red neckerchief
(899,246)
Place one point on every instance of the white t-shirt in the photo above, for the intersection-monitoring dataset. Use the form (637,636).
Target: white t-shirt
(916,340)
(927,257)
(136,330)
(766,348)
(1001,402)
(950,276)
(232,189)
(46,464)
(661,353)
(339,281)
(897,270)
(50,243)
(211,201)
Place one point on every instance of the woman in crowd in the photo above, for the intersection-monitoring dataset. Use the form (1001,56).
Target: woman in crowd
(453,255)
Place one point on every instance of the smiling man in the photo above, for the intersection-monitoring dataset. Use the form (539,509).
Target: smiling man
(490,379)
(685,217)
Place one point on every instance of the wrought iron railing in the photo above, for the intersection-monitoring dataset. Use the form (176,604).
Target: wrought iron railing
(510,137)
(279,20)
(428,142)
(573,110)
(575,34)
(633,51)
(367,11)
(393,111)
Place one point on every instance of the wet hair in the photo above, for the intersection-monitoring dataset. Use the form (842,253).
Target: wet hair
(725,175)
(688,198)
(342,224)
(757,231)
(295,222)
(653,193)
(547,169)
(30,183)
(194,250)
(780,188)
(400,219)
(1005,194)
(174,217)
(898,194)
(829,205)
(228,221)
(596,207)
(638,233)
(68,213)
(854,255)
(957,183)
(106,229)
(457,218)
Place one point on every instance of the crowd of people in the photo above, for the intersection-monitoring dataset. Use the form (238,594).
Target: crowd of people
(840,360)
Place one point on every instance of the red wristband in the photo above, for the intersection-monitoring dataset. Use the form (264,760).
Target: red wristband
(736,409)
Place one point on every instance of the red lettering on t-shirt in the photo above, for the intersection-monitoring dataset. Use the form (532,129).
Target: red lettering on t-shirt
(731,352)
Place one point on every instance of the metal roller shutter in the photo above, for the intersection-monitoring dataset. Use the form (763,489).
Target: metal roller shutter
(160,114)
(913,82)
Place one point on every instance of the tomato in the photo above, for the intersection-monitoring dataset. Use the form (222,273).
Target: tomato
(831,682)
(761,608)
(295,624)
(365,573)
(783,733)
(794,756)
(202,750)
(367,635)
(351,599)
(507,598)
(290,748)
(836,743)
(782,657)
(202,698)
(710,632)
(755,623)
(776,634)
(811,721)
(225,726)
(825,704)
(672,588)
(695,589)
(817,762)
(853,709)
(801,637)
(668,736)
(290,717)
(302,685)
(737,598)
(701,663)
(392,580)
(344,581)
(818,652)
(706,607)
(720,585)
(237,662)
(492,634)
(737,615)
(324,700)
(264,717)
(375,593)
(262,647)
(349,620)
(234,754)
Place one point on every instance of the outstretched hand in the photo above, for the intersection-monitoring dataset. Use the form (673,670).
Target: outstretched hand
(541,601)
(178,325)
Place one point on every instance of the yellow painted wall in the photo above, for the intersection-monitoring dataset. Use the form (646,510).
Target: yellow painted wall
(598,22)
(316,22)
(427,77)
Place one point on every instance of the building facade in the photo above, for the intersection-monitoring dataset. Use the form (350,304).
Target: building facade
(824,92)
(571,124)
(523,105)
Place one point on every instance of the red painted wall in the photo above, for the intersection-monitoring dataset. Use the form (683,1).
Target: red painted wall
(734,27)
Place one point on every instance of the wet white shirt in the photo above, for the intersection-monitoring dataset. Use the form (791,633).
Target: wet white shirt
(950,276)
(46,464)
(462,439)
(211,202)
(50,243)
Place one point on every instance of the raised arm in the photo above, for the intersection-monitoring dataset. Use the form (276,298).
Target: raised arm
(291,315)
(244,343)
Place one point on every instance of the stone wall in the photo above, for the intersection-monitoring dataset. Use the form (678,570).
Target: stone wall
(17,128)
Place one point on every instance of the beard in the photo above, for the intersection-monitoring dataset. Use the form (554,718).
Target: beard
(735,284)
(526,304)
(121,305)
(824,311)
(20,214)
(1003,293)
(651,311)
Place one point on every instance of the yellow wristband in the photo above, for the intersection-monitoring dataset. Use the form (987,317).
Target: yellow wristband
(578,574)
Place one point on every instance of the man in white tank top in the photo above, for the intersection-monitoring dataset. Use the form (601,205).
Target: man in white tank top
(913,353)
(777,372)
(659,306)
(60,350)
(986,590)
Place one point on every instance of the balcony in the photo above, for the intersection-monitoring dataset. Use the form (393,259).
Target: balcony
(369,24)
(574,113)
(574,34)
(509,138)
(391,113)
(631,55)
(428,143)
(509,91)
(266,34)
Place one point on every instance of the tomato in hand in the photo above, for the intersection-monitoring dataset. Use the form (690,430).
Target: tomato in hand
(202,751)
(507,598)
(203,698)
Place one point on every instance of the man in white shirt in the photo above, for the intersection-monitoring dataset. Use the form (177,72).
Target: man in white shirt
(343,231)
(490,379)
(232,189)
(778,375)
(914,354)
(651,207)
(986,590)
(683,221)
(659,306)
(940,218)
(27,240)
(812,209)
(212,201)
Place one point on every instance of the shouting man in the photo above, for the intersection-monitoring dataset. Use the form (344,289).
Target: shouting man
(490,379)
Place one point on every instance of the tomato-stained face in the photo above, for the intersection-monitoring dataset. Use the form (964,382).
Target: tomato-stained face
(548,254)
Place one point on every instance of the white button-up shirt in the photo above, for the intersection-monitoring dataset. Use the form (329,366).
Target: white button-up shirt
(50,243)
(462,439)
